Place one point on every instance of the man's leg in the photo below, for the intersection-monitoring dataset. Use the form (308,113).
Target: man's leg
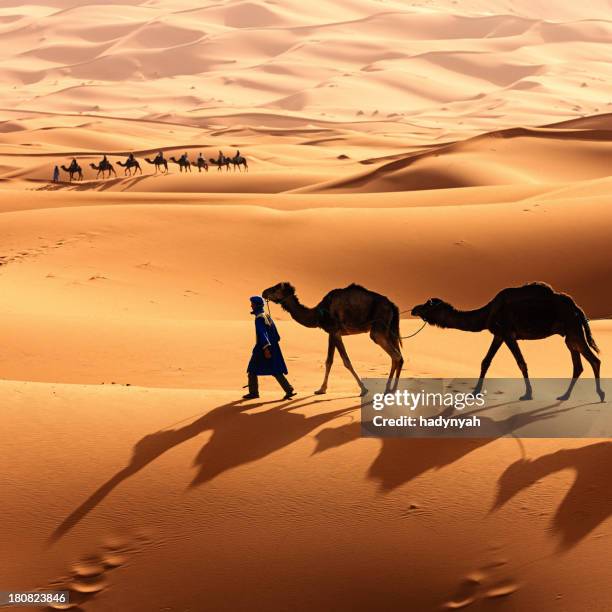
(253,387)
(285,384)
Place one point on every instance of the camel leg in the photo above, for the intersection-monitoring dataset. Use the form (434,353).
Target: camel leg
(522,364)
(331,348)
(398,369)
(347,363)
(397,361)
(486,362)
(577,371)
(595,362)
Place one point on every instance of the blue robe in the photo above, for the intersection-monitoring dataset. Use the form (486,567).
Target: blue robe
(266,336)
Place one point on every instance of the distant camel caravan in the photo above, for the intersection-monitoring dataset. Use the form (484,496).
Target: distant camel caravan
(343,312)
(531,312)
(132,166)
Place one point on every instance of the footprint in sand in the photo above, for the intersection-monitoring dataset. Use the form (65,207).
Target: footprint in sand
(481,584)
(90,575)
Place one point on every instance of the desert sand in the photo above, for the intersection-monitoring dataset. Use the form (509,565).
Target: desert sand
(431,148)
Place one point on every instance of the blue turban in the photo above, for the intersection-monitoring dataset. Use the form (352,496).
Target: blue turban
(257,302)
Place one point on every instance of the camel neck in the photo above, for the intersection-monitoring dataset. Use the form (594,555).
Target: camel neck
(300,313)
(466,320)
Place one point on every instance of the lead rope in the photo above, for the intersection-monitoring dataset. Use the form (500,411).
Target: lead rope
(416,332)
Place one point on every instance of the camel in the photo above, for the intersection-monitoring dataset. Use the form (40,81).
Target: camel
(131,165)
(201,163)
(184,164)
(531,312)
(239,161)
(225,161)
(160,164)
(342,312)
(72,170)
(102,167)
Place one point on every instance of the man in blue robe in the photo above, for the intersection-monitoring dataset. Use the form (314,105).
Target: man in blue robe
(267,358)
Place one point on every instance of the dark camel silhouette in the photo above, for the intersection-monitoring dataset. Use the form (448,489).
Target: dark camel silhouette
(184,164)
(238,437)
(220,162)
(160,164)
(102,167)
(342,312)
(201,163)
(239,161)
(587,504)
(531,312)
(131,166)
(72,171)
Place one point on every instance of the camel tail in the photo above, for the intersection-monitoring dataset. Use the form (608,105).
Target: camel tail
(395,324)
(587,330)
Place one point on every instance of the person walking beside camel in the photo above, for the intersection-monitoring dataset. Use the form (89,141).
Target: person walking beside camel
(56,174)
(267,358)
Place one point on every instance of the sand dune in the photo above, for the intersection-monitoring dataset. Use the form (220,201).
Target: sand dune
(441,60)
(495,159)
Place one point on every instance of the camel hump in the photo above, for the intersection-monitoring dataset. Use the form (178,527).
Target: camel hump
(525,292)
(540,286)
(352,289)
(355,294)
(356,287)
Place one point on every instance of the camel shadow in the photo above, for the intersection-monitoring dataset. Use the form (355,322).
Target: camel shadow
(244,438)
(401,460)
(588,502)
(237,438)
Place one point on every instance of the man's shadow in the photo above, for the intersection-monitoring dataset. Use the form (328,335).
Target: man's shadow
(587,504)
(401,460)
(237,438)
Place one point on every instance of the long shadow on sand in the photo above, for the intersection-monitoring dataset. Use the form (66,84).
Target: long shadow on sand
(401,460)
(238,438)
(587,504)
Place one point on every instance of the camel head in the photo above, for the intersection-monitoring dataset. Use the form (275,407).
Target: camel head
(94,166)
(431,311)
(278,292)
